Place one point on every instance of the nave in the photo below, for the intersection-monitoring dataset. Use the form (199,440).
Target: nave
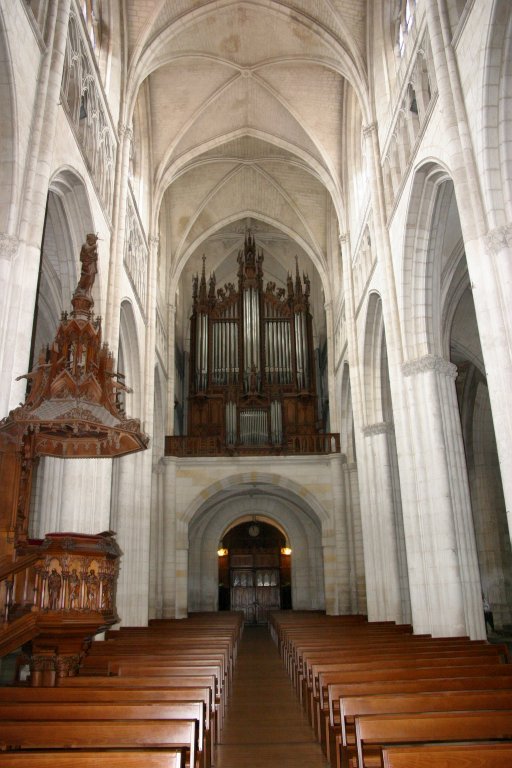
(265,726)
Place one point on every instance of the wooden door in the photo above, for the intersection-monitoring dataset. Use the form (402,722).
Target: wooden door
(254,581)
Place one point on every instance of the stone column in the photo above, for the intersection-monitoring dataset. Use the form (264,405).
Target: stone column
(355,540)
(171,341)
(492,289)
(8,248)
(131,523)
(340,514)
(20,270)
(112,317)
(157,544)
(488,243)
(330,586)
(169,536)
(444,580)
(380,529)
(181,583)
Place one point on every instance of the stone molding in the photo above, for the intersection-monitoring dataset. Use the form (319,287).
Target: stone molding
(380,428)
(499,238)
(8,246)
(430,363)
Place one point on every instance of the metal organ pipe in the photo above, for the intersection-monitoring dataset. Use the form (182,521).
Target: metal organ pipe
(305,356)
(288,342)
(202,351)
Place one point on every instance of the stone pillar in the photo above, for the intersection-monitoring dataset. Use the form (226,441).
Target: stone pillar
(112,317)
(20,270)
(340,514)
(181,583)
(157,544)
(330,586)
(380,529)
(444,580)
(492,289)
(169,536)
(355,540)
(171,336)
(73,495)
(131,523)
(8,249)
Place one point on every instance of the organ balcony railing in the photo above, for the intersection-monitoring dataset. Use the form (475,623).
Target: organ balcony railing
(296,445)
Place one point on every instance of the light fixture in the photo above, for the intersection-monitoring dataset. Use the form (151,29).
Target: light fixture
(286,551)
(222,552)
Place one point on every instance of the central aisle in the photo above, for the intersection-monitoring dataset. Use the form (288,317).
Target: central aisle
(264,725)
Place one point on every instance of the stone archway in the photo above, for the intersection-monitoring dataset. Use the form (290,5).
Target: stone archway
(276,506)
(254,570)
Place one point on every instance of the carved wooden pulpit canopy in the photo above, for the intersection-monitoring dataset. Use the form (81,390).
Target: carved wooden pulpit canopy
(73,409)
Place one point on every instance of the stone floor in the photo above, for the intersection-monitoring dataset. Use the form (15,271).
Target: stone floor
(265,726)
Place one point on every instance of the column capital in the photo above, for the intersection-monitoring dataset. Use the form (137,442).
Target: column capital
(154,241)
(430,363)
(380,428)
(125,131)
(8,246)
(498,238)
(369,129)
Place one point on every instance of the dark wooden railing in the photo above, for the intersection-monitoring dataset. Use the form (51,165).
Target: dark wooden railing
(295,445)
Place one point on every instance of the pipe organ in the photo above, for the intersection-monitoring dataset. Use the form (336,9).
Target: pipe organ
(252,381)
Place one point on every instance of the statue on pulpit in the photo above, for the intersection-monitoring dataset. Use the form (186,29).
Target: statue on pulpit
(54,587)
(89,262)
(74,589)
(93,584)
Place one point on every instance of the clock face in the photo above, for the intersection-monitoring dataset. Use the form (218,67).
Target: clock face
(254,530)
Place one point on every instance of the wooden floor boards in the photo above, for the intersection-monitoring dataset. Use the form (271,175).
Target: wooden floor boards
(265,726)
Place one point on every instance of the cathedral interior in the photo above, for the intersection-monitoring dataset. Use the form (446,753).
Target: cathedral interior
(255,279)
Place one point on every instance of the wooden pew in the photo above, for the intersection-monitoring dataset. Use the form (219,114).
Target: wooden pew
(307,654)
(42,696)
(406,703)
(373,732)
(129,665)
(405,687)
(60,758)
(190,670)
(394,674)
(183,710)
(407,658)
(178,735)
(152,682)
(449,756)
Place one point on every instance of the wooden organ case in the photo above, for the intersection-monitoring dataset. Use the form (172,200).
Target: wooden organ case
(252,373)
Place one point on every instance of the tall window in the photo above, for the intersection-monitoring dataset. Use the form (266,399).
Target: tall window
(91,10)
(405,20)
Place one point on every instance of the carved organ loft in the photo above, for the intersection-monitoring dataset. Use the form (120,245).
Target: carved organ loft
(252,385)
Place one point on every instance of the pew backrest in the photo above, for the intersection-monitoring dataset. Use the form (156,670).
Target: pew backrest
(380,730)
(448,756)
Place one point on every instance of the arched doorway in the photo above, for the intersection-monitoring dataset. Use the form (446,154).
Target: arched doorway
(254,570)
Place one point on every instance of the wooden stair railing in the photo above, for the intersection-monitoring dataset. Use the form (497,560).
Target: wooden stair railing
(58,593)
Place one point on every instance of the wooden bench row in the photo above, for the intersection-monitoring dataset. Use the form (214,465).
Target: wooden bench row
(367,688)
(170,704)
